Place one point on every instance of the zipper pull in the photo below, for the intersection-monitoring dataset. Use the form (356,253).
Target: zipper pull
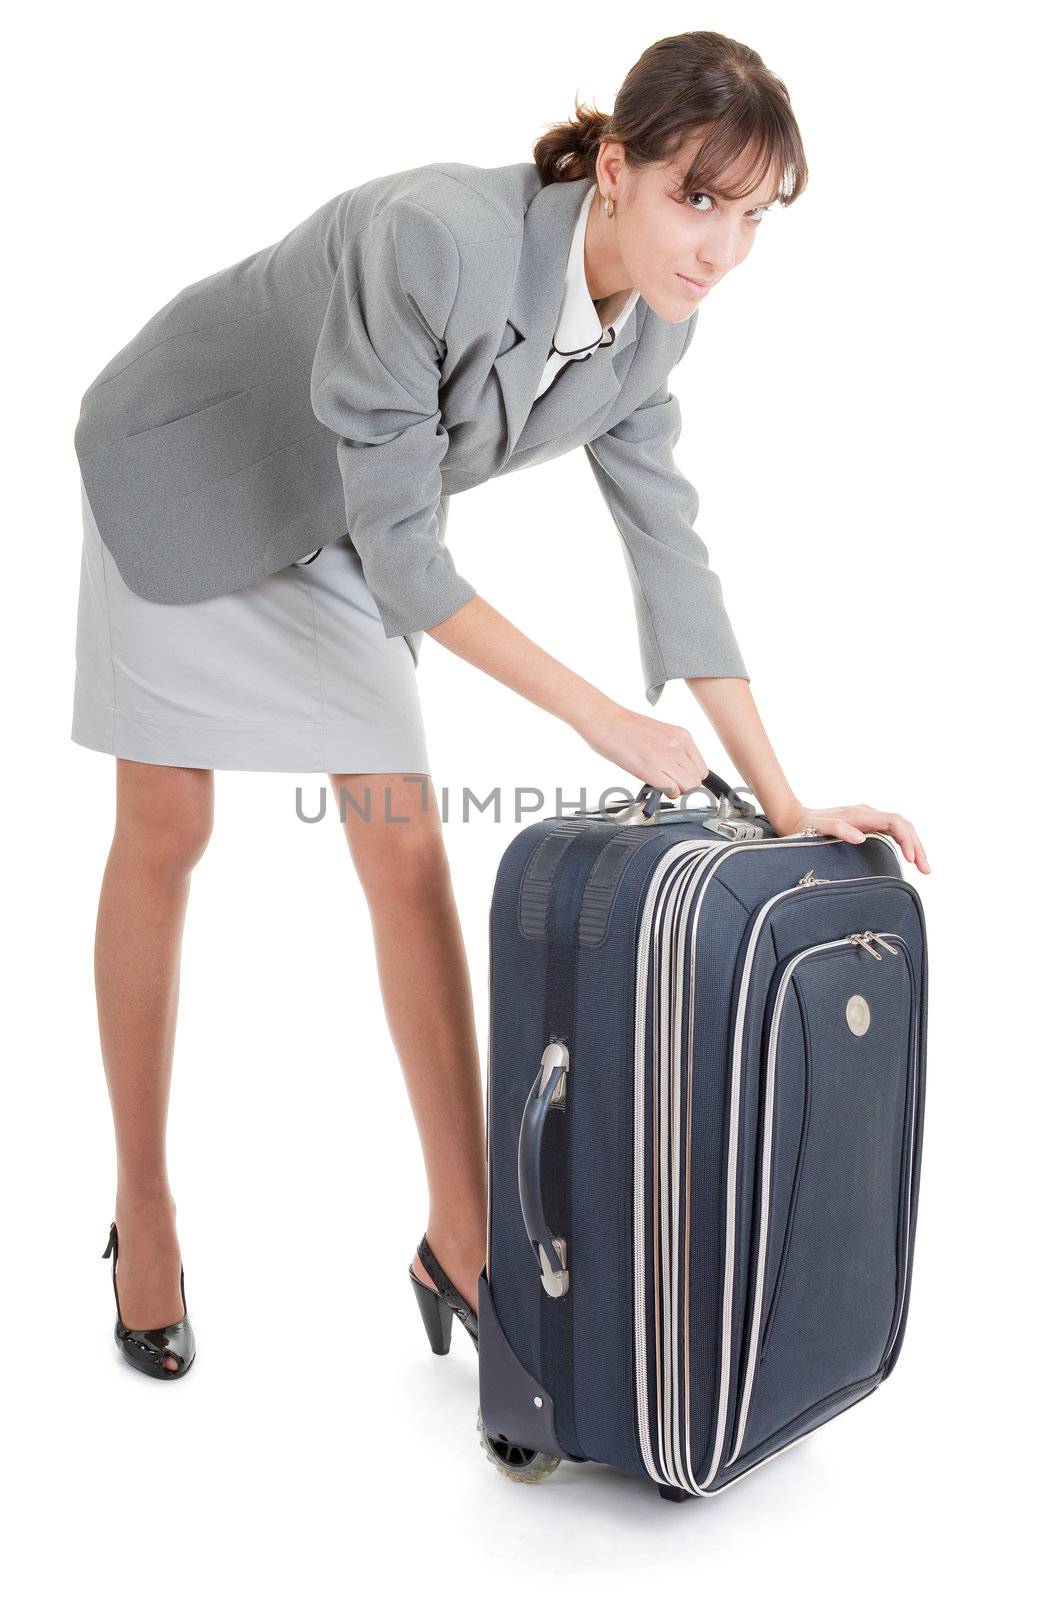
(881,940)
(809,878)
(863,940)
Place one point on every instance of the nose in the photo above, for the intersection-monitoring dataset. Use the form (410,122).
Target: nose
(720,247)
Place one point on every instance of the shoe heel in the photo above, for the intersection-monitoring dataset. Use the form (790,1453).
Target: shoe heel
(437,1316)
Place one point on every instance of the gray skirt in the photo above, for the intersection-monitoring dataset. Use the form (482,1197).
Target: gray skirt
(291,673)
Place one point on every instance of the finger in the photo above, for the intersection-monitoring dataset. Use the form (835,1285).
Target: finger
(919,855)
(687,769)
(687,757)
(902,830)
(841,828)
(692,774)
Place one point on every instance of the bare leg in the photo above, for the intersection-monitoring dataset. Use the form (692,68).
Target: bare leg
(426,990)
(164,817)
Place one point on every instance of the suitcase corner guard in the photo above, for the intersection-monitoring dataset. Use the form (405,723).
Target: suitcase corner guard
(513,1405)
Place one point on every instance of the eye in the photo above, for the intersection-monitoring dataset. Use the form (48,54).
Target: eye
(756,215)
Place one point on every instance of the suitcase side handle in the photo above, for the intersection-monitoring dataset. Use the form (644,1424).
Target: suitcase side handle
(548,1090)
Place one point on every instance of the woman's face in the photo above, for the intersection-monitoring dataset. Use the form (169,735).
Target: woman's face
(672,250)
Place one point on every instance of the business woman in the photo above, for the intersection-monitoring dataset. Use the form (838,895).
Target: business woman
(266,469)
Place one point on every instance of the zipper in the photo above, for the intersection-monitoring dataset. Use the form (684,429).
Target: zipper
(773,1304)
(808,881)
(864,941)
(705,857)
(689,859)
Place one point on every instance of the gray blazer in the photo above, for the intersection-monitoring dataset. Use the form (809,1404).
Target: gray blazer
(379,359)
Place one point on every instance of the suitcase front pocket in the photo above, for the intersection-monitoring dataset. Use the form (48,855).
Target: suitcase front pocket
(838,1084)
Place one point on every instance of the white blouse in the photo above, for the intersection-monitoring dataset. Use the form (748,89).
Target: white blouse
(579,332)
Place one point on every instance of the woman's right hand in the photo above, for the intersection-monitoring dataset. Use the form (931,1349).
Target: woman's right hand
(660,753)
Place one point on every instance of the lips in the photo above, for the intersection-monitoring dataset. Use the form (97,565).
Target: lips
(694,288)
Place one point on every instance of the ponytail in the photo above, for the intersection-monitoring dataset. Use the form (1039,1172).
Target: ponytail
(569,150)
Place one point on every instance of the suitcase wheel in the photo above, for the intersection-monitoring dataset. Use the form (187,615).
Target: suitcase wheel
(516,1461)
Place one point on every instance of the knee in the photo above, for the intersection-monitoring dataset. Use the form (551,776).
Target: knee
(398,860)
(167,819)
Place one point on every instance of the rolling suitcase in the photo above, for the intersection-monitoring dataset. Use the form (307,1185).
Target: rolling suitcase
(704,1113)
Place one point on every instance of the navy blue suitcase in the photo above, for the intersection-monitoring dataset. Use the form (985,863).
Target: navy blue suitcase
(704,1111)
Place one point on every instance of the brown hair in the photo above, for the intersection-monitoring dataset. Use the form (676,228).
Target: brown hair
(681,84)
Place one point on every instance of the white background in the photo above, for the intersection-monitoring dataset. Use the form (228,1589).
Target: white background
(861,420)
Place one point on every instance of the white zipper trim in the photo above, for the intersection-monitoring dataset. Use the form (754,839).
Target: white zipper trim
(765,1206)
(914,1112)
(733,1140)
(652,909)
(733,1146)
(710,857)
(708,1494)
(769,1112)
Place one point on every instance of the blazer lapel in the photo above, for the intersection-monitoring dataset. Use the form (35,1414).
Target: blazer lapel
(583,386)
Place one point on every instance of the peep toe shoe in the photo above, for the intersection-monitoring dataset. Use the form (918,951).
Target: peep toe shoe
(439,1306)
(145,1348)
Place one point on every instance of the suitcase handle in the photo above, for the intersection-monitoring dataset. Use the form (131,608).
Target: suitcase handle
(644,808)
(548,1090)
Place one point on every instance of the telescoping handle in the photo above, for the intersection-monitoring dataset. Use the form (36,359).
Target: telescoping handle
(548,1090)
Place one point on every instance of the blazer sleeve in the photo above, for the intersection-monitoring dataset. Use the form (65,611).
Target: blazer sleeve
(375,381)
(683,628)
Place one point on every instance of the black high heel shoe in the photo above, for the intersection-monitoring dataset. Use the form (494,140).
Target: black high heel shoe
(146,1348)
(438,1307)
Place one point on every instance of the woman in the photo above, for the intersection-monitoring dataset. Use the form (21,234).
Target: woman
(266,468)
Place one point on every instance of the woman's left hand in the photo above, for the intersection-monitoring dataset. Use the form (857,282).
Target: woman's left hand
(848,822)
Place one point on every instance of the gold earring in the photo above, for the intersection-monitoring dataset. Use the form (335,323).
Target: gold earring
(608,205)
